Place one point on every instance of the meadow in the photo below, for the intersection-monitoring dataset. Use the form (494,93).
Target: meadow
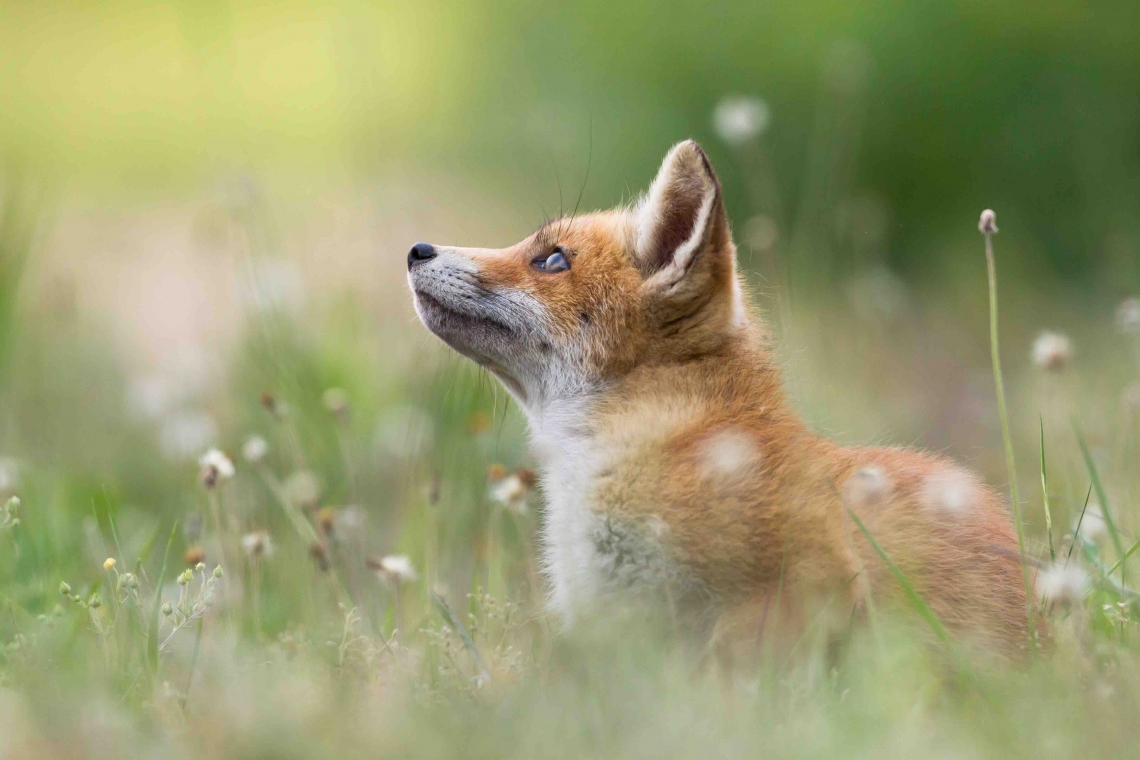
(249,507)
(321,542)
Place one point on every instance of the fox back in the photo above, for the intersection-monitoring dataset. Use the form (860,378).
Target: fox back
(675,472)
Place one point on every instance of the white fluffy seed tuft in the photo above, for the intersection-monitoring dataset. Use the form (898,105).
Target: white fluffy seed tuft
(1058,584)
(1052,351)
(947,492)
(729,452)
(867,486)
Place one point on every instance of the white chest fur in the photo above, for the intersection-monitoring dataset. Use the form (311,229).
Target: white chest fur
(590,554)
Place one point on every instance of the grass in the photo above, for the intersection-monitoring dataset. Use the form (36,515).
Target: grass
(305,642)
(989,229)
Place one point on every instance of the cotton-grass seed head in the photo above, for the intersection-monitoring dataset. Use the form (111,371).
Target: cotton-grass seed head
(396,569)
(987,224)
(1052,351)
(215,466)
(303,489)
(254,449)
(511,490)
(257,544)
(9,475)
(1128,316)
(741,119)
(1060,584)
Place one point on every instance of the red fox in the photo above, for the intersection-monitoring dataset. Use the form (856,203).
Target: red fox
(672,464)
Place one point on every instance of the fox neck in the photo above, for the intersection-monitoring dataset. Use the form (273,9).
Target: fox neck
(739,378)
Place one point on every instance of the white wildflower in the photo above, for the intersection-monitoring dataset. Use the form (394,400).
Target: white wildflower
(511,489)
(740,120)
(1052,351)
(728,452)
(257,544)
(303,488)
(1059,584)
(394,568)
(255,449)
(349,521)
(9,475)
(1128,316)
(987,224)
(215,466)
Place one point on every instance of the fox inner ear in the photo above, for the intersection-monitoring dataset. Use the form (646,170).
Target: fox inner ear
(681,215)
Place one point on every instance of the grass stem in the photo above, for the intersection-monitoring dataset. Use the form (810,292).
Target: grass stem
(991,271)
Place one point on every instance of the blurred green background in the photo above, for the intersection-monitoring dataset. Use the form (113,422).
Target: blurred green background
(175,171)
(936,108)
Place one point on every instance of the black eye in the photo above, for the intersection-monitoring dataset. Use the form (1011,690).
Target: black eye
(555,262)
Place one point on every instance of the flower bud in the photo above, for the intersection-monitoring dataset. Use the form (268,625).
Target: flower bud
(186,576)
(988,223)
(168,609)
(64,588)
(108,563)
(200,566)
(95,602)
(218,571)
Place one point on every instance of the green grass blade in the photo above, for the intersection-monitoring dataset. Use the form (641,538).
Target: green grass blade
(1045,494)
(193,663)
(1109,523)
(152,632)
(452,619)
(912,594)
(1125,556)
(1080,520)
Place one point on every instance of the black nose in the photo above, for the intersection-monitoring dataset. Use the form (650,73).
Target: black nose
(420,252)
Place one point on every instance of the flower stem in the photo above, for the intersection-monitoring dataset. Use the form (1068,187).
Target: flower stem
(991,270)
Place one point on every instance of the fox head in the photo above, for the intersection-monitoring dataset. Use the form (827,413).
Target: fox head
(587,299)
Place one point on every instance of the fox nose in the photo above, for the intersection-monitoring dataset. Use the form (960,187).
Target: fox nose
(420,252)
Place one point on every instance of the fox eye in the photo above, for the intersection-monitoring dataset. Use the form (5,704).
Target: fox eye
(555,262)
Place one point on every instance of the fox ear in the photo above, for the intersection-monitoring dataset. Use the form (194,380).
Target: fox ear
(681,215)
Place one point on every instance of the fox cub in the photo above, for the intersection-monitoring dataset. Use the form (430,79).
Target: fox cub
(673,467)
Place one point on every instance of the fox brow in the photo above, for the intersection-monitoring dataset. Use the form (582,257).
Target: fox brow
(548,235)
